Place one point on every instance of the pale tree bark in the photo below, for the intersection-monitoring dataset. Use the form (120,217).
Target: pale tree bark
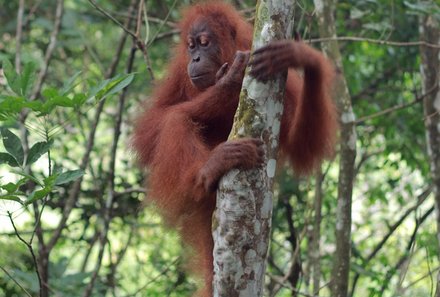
(242,220)
(430,69)
(315,255)
(341,265)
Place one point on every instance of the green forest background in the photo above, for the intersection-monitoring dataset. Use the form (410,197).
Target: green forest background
(71,195)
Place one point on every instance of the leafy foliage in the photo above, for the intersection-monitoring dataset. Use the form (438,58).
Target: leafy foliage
(60,140)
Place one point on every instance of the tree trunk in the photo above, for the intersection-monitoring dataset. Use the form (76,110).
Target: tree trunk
(341,265)
(430,32)
(315,255)
(242,221)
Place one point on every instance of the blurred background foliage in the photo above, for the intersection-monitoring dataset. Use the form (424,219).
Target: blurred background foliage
(124,242)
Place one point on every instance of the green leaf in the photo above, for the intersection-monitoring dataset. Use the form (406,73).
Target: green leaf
(12,77)
(38,195)
(35,105)
(79,99)
(119,84)
(51,103)
(27,78)
(10,106)
(61,101)
(356,13)
(28,176)
(110,86)
(14,104)
(37,150)
(423,7)
(6,158)
(11,198)
(70,83)
(98,88)
(378,26)
(20,84)
(53,99)
(13,145)
(11,187)
(50,180)
(68,176)
(49,93)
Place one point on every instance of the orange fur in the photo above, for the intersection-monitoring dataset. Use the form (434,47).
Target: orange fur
(170,142)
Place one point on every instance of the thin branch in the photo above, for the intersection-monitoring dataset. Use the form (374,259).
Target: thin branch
(111,192)
(167,34)
(123,27)
(143,45)
(139,18)
(123,251)
(18,36)
(271,261)
(396,107)
(50,49)
(24,134)
(30,232)
(134,35)
(295,268)
(316,233)
(292,274)
(151,18)
(39,213)
(38,230)
(364,158)
(15,281)
(173,25)
(160,21)
(154,279)
(91,243)
(29,247)
(114,265)
(130,191)
(75,190)
(283,284)
(163,23)
(377,41)
(374,85)
(420,199)
(31,12)
(428,274)
(404,257)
